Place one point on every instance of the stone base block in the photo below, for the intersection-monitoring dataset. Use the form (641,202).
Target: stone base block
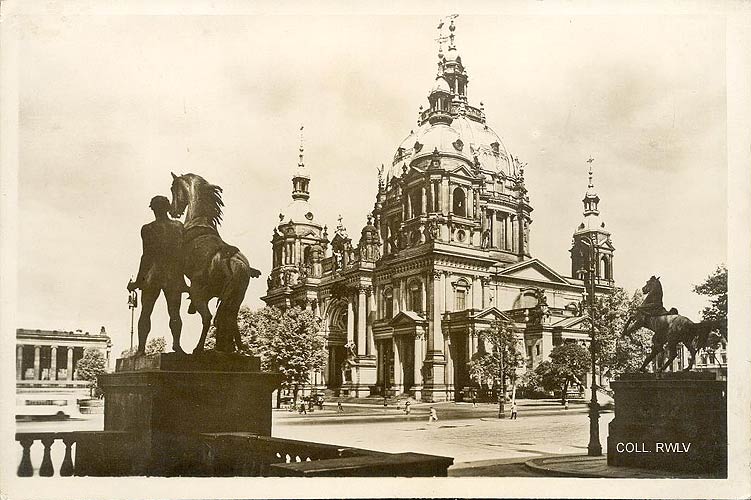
(164,401)
(673,422)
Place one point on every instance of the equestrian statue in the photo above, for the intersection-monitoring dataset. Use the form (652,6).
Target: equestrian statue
(215,268)
(670,328)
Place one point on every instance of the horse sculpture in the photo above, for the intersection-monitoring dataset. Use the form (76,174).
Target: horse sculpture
(669,327)
(215,268)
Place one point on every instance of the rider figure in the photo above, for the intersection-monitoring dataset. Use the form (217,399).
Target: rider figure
(161,270)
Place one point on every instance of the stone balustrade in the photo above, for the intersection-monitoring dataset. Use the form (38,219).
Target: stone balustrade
(46,439)
(242,454)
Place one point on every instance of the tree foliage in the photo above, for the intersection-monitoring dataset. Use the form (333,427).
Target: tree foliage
(155,345)
(614,352)
(716,287)
(498,343)
(568,364)
(288,341)
(90,366)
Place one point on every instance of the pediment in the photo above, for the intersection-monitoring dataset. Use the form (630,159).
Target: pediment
(533,270)
(573,323)
(463,170)
(407,318)
(493,314)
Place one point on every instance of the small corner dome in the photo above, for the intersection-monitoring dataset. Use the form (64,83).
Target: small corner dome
(441,85)
(299,211)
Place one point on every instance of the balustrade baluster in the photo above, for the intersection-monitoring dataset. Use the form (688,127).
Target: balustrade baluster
(25,469)
(66,469)
(47,470)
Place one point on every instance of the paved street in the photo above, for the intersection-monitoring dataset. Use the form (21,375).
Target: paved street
(481,444)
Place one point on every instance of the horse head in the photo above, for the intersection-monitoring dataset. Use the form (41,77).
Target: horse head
(180,195)
(652,284)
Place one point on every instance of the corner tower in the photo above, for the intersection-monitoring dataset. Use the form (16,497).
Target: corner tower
(299,244)
(592,229)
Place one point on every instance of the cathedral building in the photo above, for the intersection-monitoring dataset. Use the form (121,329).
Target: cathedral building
(444,254)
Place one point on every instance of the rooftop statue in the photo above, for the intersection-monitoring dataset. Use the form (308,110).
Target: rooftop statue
(215,268)
(669,327)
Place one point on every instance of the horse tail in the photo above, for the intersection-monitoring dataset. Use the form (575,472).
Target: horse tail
(230,299)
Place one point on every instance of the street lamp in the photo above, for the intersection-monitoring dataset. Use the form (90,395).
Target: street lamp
(594,448)
(132,304)
(502,395)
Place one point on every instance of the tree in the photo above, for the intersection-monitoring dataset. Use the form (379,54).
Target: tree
(716,287)
(90,366)
(288,341)
(497,358)
(568,364)
(614,352)
(154,346)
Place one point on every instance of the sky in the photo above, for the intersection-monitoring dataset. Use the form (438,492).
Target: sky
(110,105)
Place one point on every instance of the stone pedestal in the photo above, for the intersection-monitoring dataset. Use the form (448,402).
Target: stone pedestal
(672,422)
(164,401)
(434,390)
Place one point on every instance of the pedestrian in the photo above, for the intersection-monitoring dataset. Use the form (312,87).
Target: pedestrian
(474,399)
(407,407)
(339,407)
(433,415)
(513,410)
(565,405)
(303,411)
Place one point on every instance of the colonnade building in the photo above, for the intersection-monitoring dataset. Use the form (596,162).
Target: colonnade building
(444,254)
(46,359)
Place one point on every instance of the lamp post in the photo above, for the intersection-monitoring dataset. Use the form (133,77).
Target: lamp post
(594,448)
(132,304)
(502,395)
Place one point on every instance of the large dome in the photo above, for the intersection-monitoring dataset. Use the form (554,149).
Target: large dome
(464,138)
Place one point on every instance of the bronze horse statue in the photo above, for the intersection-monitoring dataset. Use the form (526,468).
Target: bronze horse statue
(215,268)
(669,327)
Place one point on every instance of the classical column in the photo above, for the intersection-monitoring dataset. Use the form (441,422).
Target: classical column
(53,362)
(369,341)
(397,366)
(451,199)
(436,296)
(506,233)
(70,363)
(449,373)
(476,293)
(514,234)
(350,321)
(419,358)
(36,362)
(361,321)
(19,362)
(423,199)
(445,202)
(395,296)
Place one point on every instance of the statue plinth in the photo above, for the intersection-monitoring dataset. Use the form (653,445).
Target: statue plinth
(671,422)
(162,402)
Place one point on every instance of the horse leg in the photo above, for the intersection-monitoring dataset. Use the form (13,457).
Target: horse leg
(672,354)
(202,306)
(691,360)
(656,349)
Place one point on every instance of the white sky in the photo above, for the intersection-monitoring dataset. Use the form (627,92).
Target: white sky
(109,105)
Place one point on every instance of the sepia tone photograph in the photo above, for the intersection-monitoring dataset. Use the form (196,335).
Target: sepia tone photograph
(244,243)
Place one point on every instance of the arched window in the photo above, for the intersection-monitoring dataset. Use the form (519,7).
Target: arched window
(388,302)
(461,288)
(415,297)
(605,268)
(416,201)
(307,258)
(460,202)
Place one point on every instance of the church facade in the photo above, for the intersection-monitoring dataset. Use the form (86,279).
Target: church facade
(445,252)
